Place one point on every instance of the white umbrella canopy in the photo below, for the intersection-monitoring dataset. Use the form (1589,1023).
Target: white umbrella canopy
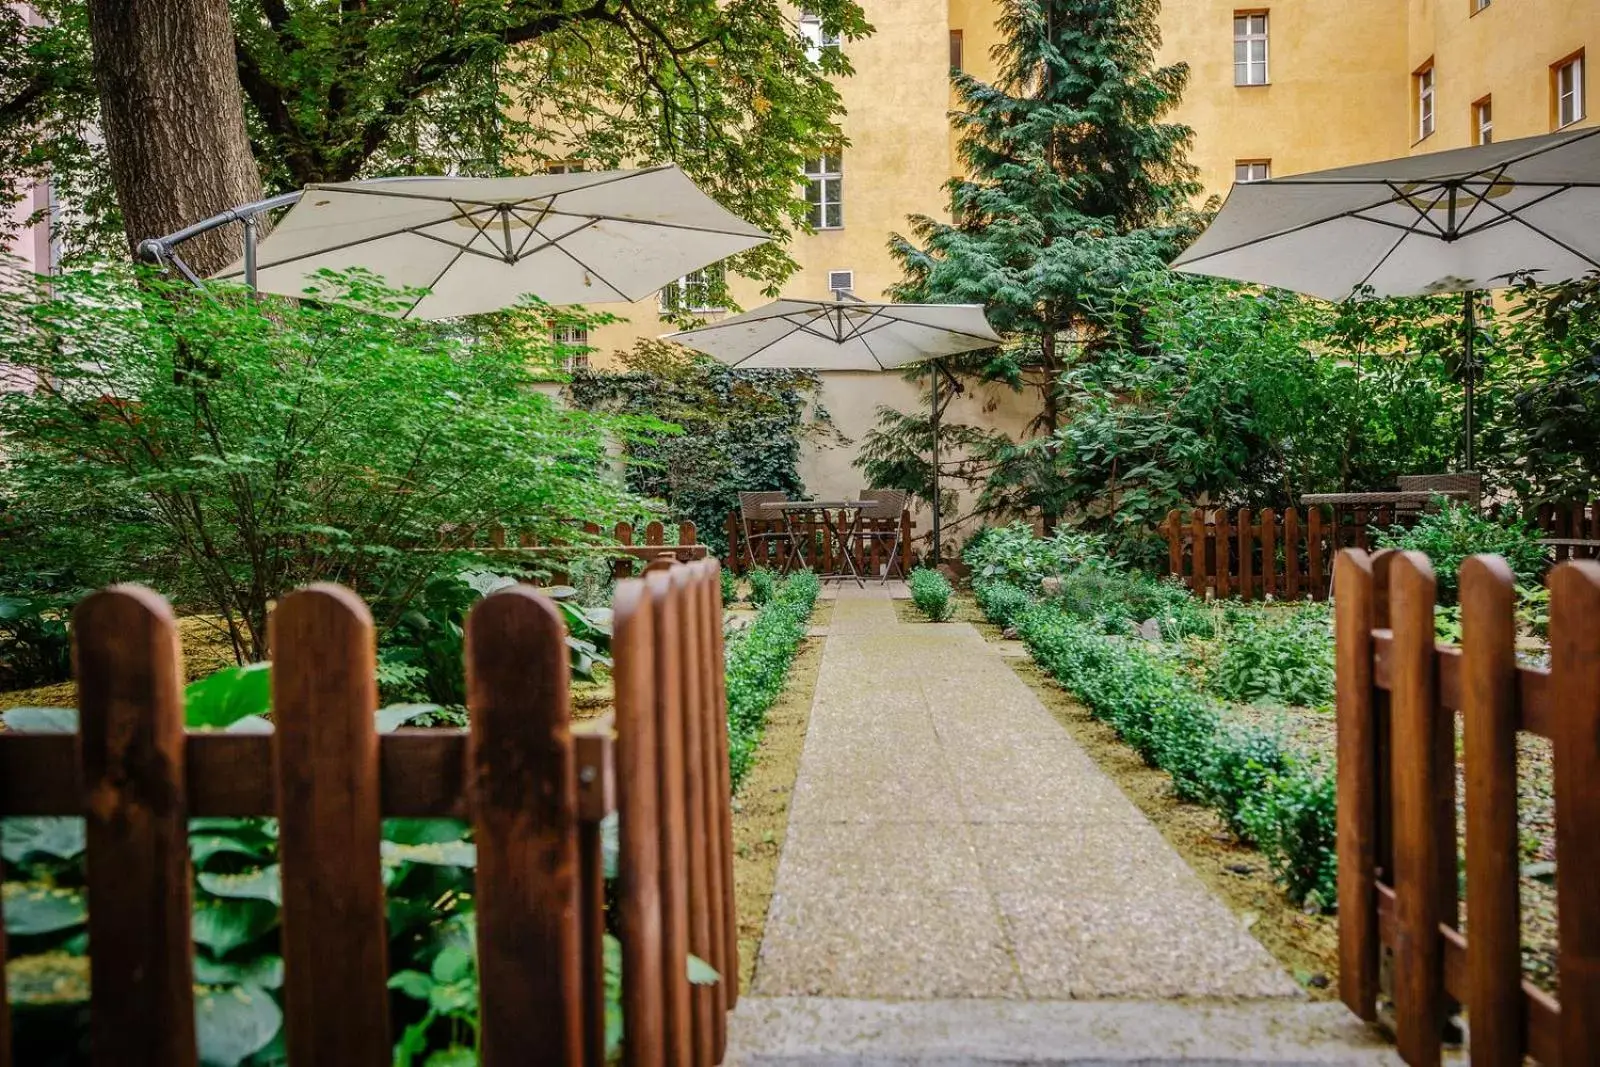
(481,244)
(841,335)
(1472,218)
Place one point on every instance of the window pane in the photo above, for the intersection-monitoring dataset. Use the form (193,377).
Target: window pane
(835,215)
(833,164)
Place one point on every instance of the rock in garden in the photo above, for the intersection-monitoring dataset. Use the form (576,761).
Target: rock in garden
(1150,630)
(1050,586)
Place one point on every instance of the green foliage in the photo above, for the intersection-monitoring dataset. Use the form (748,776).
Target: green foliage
(758,660)
(932,594)
(1451,533)
(1017,555)
(699,432)
(1277,656)
(1001,602)
(762,583)
(35,647)
(1270,795)
(339,91)
(730,587)
(226,450)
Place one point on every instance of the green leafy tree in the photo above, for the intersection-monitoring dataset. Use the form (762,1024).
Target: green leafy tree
(226,450)
(335,90)
(1073,183)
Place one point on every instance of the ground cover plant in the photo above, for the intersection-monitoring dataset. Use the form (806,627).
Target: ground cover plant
(1450,532)
(758,659)
(932,594)
(1276,657)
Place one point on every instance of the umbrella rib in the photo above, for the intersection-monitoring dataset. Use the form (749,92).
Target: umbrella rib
(865,344)
(468,249)
(428,289)
(590,270)
(1504,216)
(688,228)
(1513,217)
(1410,200)
(768,345)
(415,230)
(1499,175)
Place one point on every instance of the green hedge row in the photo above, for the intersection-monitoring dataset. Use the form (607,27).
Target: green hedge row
(932,594)
(1271,796)
(758,662)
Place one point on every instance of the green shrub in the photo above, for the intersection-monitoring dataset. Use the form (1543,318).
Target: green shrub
(932,594)
(1269,795)
(758,660)
(1452,533)
(1282,657)
(730,587)
(1001,602)
(1017,555)
(35,648)
(762,582)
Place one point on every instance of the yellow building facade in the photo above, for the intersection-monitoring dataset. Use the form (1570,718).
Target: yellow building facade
(1275,88)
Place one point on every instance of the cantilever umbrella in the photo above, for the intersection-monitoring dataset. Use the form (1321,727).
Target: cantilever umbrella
(481,244)
(847,334)
(1458,221)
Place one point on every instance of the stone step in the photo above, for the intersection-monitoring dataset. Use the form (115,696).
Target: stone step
(829,1032)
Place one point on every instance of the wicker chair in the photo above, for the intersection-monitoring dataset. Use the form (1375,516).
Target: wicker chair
(878,505)
(1469,483)
(752,513)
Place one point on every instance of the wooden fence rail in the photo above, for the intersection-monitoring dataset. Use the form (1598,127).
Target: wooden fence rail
(535,792)
(617,544)
(819,549)
(1574,522)
(1398,696)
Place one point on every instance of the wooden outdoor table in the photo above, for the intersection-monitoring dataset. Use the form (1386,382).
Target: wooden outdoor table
(842,533)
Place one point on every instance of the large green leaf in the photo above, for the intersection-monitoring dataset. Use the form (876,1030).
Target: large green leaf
(55,836)
(32,909)
(395,716)
(223,924)
(219,700)
(265,971)
(234,1022)
(260,884)
(41,720)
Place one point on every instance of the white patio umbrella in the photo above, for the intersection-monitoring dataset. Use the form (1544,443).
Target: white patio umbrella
(847,335)
(480,244)
(1459,221)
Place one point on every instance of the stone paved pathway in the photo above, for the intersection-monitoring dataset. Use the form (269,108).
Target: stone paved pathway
(950,844)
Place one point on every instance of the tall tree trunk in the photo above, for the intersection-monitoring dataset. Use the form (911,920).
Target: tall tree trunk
(173,120)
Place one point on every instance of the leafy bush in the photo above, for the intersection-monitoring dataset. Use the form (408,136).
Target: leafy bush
(730,587)
(1017,555)
(762,583)
(1269,795)
(1281,657)
(932,594)
(758,660)
(1001,602)
(226,450)
(35,647)
(1448,535)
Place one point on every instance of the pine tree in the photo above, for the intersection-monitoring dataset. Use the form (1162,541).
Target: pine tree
(1074,184)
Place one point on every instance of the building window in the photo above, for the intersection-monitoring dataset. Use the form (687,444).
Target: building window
(1424,80)
(1252,170)
(1250,48)
(1568,88)
(572,344)
(694,292)
(1483,121)
(825,192)
(816,37)
(842,281)
(955,50)
(564,166)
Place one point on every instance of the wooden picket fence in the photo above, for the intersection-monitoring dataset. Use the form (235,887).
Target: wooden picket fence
(1398,696)
(534,790)
(621,548)
(1571,522)
(819,549)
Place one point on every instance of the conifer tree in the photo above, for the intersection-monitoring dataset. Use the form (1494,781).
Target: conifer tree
(1074,182)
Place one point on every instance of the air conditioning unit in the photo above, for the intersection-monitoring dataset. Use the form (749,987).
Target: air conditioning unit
(842,281)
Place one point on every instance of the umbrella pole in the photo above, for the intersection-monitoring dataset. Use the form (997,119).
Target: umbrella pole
(1469,328)
(935,368)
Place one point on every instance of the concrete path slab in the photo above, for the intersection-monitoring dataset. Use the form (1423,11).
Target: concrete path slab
(957,869)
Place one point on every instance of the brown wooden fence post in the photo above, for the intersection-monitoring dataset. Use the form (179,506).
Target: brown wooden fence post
(130,697)
(325,756)
(1357,785)
(905,541)
(687,533)
(1173,530)
(596,799)
(1220,540)
(1197,535)
(5,1011)
(1419,958)
(1291,554)
(1314,564)
(704,599)
(696,806)
(525,818)
(1575,676)
(1247,546)
(668,626)
(725,789)
(1489,714)
(638,826)
(1269,553)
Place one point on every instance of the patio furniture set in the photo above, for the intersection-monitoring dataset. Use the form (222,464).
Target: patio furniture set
(850,530)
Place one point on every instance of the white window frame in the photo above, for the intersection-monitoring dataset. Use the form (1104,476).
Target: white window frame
(1245,170)
(1248,40)
(1483,121)
(1570,90)
(572,337)
(676,297)
(817,38)
(848,276)
(1427,110)
(824,178)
